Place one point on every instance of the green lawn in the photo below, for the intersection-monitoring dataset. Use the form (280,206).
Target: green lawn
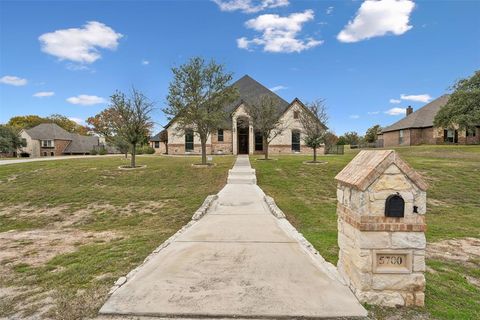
(307,195)
(102,220)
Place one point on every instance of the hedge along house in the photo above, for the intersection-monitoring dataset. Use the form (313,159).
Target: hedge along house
(48,140)
(238,135)
(417,128)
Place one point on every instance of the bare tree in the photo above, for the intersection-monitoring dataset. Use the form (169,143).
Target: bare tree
(197,97)
(130,118)
(314,121)
(266,119)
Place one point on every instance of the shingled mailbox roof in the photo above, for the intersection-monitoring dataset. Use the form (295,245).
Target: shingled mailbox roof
(369,165)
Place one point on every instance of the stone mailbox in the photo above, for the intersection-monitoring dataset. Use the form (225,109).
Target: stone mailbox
(381,229)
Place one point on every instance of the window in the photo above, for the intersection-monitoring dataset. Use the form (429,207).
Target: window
(24,141)
(188,140)
(450,136)
(258,141)
(52,154)
(220,135)
(296,140)
(400,137)
(44,154)
(471,132)
(47,143)
(157,144)
(296,115)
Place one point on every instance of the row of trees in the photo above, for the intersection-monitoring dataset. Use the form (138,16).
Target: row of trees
(30,121)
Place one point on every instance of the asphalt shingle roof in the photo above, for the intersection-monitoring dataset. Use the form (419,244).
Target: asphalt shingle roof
(250,92)
(422,118)
(46,131)
(51,131)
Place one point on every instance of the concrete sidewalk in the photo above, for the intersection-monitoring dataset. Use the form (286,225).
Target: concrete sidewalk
(24,160)
(238,261)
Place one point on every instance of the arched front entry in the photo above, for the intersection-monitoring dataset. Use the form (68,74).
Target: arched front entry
(243,137)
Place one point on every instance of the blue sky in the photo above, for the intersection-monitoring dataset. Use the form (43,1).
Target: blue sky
(369,60)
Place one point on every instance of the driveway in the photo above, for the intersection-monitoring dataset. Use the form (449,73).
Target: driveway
(238,261)
(24,160)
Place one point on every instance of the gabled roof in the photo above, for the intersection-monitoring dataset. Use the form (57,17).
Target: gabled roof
(422,118)
(47,131)
(251,92)
(81,144)
(160,137)
(368,165)
(51,131)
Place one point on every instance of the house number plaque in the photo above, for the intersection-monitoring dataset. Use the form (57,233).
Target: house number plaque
(392,262)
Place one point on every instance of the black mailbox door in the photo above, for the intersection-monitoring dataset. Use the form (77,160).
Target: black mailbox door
(395,206)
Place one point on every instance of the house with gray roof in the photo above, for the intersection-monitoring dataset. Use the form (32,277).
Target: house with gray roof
(417,128)
(238,134)
(48,140)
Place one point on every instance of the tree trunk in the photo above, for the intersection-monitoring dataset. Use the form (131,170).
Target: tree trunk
(203,141)
(134,150)
(126,155)
(265,147)
(314,154)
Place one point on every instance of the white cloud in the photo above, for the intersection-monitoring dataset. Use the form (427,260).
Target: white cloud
(394,101)
(279,34)
(277,88)
(13,81)
(86,100)
(329,10)
(373,112)
(145,62)
(250,6)
(80,44)
(378,18)
(416,97)
(43,94)
(396,111)
(354,116)
(77,120)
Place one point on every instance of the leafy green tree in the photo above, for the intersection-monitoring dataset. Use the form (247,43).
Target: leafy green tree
(131,119)
(197,96)
(266,120)
(351,138)
(372,133)
(330,139)
(25,122)
(30,121)
(10,139)
(67,124)
(314,125)
(463,106)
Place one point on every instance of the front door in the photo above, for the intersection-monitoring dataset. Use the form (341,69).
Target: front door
(242,140)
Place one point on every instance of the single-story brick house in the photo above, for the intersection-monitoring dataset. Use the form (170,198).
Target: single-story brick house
(417,128)
(48,140)
(238,135)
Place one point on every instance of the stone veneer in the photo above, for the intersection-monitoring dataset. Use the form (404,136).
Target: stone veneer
(368,239)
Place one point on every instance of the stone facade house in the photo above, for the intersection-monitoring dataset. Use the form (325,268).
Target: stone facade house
(48,140)
(417,128)
(238,135)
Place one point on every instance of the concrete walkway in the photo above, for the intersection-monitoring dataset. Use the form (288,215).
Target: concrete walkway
(238,261)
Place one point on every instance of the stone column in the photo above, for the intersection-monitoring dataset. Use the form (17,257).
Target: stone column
(251,138)
(381,229)
(234,136)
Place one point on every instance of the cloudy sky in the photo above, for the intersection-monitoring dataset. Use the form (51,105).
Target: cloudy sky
(368,59)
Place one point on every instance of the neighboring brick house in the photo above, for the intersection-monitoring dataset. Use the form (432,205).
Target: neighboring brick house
(238,135)
(159,142)
(417,128)
(48,140)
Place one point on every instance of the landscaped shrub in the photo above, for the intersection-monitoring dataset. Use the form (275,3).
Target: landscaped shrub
(139,150)
(93,152)
(148,150)
(102,151)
